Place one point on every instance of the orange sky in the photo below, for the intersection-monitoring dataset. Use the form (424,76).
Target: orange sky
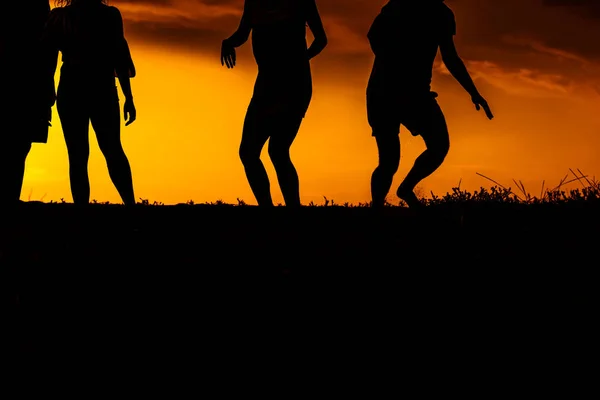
(533,61)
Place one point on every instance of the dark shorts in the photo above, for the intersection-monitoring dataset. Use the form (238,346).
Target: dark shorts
(420,114)
(282,95)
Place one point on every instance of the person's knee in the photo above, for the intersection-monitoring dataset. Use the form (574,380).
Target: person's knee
(279,154)
(113,153)
(438,145)
(248,156)
(78,159)
(389,153)
(440,149)
(388,166)
(384,133)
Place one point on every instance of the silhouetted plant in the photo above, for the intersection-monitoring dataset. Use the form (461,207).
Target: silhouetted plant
(497,194)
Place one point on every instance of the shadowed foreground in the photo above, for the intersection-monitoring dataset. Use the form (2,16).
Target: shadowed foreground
(142,288)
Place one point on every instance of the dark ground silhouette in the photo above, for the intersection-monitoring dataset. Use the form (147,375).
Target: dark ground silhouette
(405,38)
(283,88)
(90,36)
(187,298)
(217,291)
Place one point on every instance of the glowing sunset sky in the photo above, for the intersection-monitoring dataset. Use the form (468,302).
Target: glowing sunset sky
(537,63)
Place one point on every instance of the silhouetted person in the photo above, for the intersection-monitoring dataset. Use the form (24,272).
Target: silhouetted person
(90,36)
(283,88)
(405,38)
(28,93)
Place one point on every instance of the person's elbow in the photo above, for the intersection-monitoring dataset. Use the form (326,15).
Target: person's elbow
(452,61)
(122,72)
(322,41)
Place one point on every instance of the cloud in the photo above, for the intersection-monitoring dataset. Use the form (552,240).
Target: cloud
(586,8)
(547,45)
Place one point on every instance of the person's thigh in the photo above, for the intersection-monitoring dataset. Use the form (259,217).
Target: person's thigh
(284,128)
(105,117)
(257,130)
(74,119)
(383,113)
(425,118)
(388,149)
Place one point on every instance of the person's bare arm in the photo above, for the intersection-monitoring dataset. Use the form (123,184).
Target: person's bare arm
(239,37)
(459,71)
(122,67)
(122,70)
(316,26)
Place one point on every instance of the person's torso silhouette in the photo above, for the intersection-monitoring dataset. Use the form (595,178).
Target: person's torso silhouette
(405,38)
(281,26)
(92,46)
(279,47)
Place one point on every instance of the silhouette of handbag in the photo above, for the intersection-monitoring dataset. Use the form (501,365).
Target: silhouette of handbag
(39,130)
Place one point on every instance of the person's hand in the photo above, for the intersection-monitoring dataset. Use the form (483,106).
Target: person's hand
(228,56)
(130,112)
(480,103)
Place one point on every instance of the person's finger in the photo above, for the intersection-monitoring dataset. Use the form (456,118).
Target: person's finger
(234,57)
(131,118)
(477,107)
(222,60)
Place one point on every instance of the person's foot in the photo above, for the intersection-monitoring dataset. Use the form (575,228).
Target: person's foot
(378,205)
(409,197)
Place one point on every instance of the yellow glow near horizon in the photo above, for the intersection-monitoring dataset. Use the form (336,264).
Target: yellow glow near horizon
(184,145)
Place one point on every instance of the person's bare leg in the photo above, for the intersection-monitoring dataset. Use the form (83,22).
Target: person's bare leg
(388,146)
(437,144)
(75,124)
(279,152)
(254,136)
(106,121)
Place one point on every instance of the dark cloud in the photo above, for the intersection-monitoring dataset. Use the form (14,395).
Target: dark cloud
(586,8)
(555,39)
(197,22)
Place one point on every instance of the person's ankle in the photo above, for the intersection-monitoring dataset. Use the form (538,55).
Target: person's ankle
(404,188)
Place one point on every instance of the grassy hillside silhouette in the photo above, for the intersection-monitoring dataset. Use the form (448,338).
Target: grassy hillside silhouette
(106,281)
